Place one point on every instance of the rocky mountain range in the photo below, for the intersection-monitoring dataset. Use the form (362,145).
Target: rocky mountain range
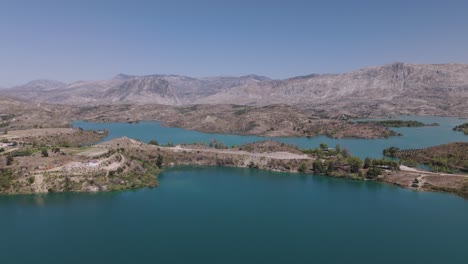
(397,88)
(130,89)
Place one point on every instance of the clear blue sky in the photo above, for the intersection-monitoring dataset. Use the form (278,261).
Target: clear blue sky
(88,40)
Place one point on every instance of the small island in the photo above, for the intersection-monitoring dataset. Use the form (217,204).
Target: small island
(462,128)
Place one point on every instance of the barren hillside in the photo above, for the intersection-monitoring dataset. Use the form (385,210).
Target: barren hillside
(399,88)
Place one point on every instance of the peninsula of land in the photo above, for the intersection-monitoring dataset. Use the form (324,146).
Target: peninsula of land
(28,164)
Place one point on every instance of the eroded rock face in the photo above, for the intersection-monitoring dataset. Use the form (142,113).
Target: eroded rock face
(156,89)
(390,89)
(399,88)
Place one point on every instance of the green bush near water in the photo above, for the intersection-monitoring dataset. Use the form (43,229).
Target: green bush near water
(462,128)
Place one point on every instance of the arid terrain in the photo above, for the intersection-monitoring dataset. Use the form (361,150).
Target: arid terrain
(398,88)
(276,120)
(428,181)
(29,167)
(67,137)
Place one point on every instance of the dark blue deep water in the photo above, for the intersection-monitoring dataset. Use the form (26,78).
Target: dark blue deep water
(229,215)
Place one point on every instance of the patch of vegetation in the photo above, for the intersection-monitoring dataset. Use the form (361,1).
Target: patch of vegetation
(185,110)
(6,179)
(241,112)
(340,163)
(9,160)
(450,158)
(373,173)
(6,117)
(303,167)
(159,161)
(384,164)
(251,125)
(68,185)
(238,106)
(398,123)
(153,142)
(21,153)
(318,167)
(336,162)
(462,191)
(44,153)
(462,128)
(64,144)
(253,165)
(55,150)
(217,145)
(143,176)
(355,164)
(391,152)
(324,151)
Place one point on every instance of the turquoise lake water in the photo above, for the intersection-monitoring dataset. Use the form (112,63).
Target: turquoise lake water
(413,137)
(233,215)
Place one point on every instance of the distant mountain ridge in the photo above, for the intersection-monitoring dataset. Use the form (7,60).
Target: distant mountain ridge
(440,89)
(130,89)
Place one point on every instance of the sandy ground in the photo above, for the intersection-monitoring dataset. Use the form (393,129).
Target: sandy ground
(15,134)
(93,152)
(273,155)
(406,168)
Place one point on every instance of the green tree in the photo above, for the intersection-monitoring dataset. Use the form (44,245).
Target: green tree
(153,142)
(338,148)
(323,145)
(44,153)
(330,167)
(159,161)
(367,163)
(355,164)
(317,166)
(391,152)
(9,160)
(345,153)
(6,177)
(303,167)
(373,172)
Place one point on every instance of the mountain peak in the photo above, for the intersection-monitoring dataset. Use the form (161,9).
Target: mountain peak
(123,76)
(256,77)
(42,84)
